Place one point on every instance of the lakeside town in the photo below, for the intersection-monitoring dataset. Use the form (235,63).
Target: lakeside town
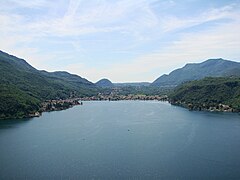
(62,104)
(57,105)
(204,107)
(115,97)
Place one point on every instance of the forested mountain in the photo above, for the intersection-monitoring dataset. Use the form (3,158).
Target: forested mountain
(195,71)
(23,87)
(219,93)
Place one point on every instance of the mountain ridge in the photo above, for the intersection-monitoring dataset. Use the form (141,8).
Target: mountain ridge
(104,83)
(194,71)
(23,87)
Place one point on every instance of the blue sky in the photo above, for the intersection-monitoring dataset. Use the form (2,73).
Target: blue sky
(125,40)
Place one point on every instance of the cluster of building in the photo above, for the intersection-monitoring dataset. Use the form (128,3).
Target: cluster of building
(55,105)
(115,97)
(222,108)
(206,107)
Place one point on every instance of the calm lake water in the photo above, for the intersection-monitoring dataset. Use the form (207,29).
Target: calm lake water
(122,140)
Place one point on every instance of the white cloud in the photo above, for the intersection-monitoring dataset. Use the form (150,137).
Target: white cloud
(102,17)
(30,3)
(172,23)
(135,19)
(191,47)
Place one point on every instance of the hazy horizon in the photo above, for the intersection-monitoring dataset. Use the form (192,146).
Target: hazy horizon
(124,41)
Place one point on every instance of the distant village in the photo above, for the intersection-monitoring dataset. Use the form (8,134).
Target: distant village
(57,105)
(115,97)
(204,107)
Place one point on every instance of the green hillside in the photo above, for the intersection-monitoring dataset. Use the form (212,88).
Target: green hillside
(23,88)
(209,94)
(15,103)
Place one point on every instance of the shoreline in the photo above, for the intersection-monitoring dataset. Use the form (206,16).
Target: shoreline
(59,105)
(216,108)
(56,105)
(49,106)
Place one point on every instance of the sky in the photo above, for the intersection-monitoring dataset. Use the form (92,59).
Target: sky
(122,40)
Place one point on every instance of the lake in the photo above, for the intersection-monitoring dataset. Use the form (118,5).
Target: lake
(122,140)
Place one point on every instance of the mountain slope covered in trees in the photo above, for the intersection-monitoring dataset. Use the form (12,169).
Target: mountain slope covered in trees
(23,87)
(219,93)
